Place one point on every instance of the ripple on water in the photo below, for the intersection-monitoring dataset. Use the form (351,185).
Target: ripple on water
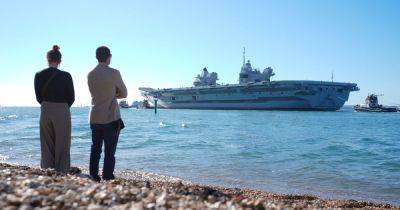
(249,154)
(139,143)
(310,155)
(348,150)
(338,148)
(81,136)
(391,165)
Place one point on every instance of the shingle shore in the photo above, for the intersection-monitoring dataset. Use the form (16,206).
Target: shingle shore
(23,187)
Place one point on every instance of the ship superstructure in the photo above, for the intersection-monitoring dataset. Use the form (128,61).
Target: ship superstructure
(254,91)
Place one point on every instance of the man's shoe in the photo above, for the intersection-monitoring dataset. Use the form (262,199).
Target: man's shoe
(109,178)
(95,178)
(74,170)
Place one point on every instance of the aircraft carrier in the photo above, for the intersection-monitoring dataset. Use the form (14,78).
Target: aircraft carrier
(255,91)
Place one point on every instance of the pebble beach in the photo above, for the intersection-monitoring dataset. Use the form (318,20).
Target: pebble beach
(24,187)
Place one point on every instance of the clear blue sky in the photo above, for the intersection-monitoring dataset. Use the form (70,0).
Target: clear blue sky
(167,43)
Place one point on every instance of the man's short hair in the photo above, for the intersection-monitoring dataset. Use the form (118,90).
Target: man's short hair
(102,53)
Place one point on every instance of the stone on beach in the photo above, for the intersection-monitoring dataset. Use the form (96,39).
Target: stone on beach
(24,187)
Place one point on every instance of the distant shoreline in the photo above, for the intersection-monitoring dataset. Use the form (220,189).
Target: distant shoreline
(29,187)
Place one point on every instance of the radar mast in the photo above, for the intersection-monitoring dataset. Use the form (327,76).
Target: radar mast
(244,55)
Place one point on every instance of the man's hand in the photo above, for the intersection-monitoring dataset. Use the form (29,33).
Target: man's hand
(122,92)
(119,94)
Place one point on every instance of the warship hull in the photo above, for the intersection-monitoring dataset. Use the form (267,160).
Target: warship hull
(275,95)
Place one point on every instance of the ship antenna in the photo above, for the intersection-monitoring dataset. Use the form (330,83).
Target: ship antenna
(244,55)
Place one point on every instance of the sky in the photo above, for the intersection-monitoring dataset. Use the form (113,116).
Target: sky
(163,44)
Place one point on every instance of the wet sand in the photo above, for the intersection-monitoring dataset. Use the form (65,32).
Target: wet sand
(23,187)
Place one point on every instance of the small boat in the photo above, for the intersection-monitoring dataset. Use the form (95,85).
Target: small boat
(124,104)
(372,105)
(135,104)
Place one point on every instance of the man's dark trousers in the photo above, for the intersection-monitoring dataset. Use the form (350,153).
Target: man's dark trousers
(108,133)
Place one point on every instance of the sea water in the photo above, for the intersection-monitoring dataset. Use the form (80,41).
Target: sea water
(342,154)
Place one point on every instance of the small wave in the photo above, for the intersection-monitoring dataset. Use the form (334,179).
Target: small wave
(391,165)
(338,148)
(162,124)
(343,150)
(13,116)
(9,117)
(28,138)
(250,154)
(4,157)
(81,136)
(310,155)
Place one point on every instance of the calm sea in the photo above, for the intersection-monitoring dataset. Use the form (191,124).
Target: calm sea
(339,154)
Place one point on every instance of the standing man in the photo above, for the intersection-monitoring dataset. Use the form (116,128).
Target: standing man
(105,86)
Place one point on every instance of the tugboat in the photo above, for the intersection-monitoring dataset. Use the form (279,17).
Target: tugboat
(372,105)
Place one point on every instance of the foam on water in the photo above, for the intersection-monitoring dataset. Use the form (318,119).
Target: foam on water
(340,154)
(9,117)
(3,158)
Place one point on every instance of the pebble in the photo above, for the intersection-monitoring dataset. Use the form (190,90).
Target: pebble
(32,188)
(4,187)
(100,195)
(60,198)
(94,207)
(162,199)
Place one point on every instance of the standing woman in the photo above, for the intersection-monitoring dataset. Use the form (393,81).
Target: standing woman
(55,93)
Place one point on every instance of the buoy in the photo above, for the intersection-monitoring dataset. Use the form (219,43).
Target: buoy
(155,106)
